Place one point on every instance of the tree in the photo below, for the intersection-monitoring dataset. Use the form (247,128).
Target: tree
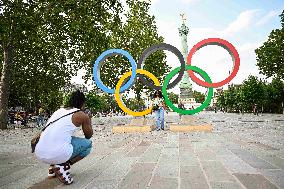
(230,98)
(270,56)
(269,97)
(240,100)
(173,97)
(221,103)
(199,97)
(134,104)
(275,96)
(45,43)
(12,19)
(253,92)
(94,102)
(104,104)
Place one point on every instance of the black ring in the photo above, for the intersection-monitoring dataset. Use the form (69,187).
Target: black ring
(154,48)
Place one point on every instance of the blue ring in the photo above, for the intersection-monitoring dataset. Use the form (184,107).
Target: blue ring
(99,62)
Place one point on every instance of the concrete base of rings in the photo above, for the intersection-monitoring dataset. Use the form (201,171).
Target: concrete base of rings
(173,128)
(131,129)
(186,124)
(191,128)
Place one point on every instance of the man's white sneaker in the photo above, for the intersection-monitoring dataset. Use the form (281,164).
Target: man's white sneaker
(62,173)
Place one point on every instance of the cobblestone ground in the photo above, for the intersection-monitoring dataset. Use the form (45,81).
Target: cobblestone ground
(243,151)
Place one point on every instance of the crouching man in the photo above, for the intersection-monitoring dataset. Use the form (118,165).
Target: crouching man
(57,145)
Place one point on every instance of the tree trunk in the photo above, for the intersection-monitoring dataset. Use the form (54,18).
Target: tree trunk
(4,88)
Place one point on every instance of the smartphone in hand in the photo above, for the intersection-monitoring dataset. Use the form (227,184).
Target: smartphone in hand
(88,112)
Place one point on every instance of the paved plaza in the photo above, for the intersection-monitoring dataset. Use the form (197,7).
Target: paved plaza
(243,151)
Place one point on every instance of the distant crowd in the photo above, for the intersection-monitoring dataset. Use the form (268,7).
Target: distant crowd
(20,118)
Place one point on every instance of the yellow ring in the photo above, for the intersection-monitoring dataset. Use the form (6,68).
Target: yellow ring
(117,88)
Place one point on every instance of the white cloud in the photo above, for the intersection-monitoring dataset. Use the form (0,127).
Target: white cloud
(190,2)
(244,20)
(198,34)
(153,2)
(268,17)
(249,46)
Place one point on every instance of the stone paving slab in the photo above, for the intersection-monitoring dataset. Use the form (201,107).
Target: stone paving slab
(46,183)
(117,170)
(273,159)
(151,155)
(138,177)
(253,160)
(18,174)
(188,158)
(275,176)
(114,173)
(216,172)
(85,178)
(137,151)
(9,169)
(237,165)
(206,155)
(252,181)
(226,185)
(192,177)
(23,176)
(165,183)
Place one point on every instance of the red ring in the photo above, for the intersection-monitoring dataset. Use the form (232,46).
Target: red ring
(220,42)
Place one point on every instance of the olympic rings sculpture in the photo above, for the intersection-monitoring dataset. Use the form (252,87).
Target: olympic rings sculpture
(137,69)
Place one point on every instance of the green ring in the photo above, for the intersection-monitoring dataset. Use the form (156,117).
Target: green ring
(203,74)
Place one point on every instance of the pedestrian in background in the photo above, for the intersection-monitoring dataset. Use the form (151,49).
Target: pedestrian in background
(181,106)
(18,119)
(159,109)
(40,116)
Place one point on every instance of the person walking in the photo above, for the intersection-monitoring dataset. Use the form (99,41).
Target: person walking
(40,117)
(255,109)
(181,106)
(57,146)
(159,109)
(18,119)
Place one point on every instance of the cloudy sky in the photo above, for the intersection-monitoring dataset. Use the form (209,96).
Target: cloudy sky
(245,24)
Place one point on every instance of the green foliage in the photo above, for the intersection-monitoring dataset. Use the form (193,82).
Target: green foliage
(270,56)
(275,96)
(95,102)
(173,97)
(253,91)
(101,103)
(230,98)
(268,97)
(49,42)
(66,100)
(199,97)
(221,103)
(135,104)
